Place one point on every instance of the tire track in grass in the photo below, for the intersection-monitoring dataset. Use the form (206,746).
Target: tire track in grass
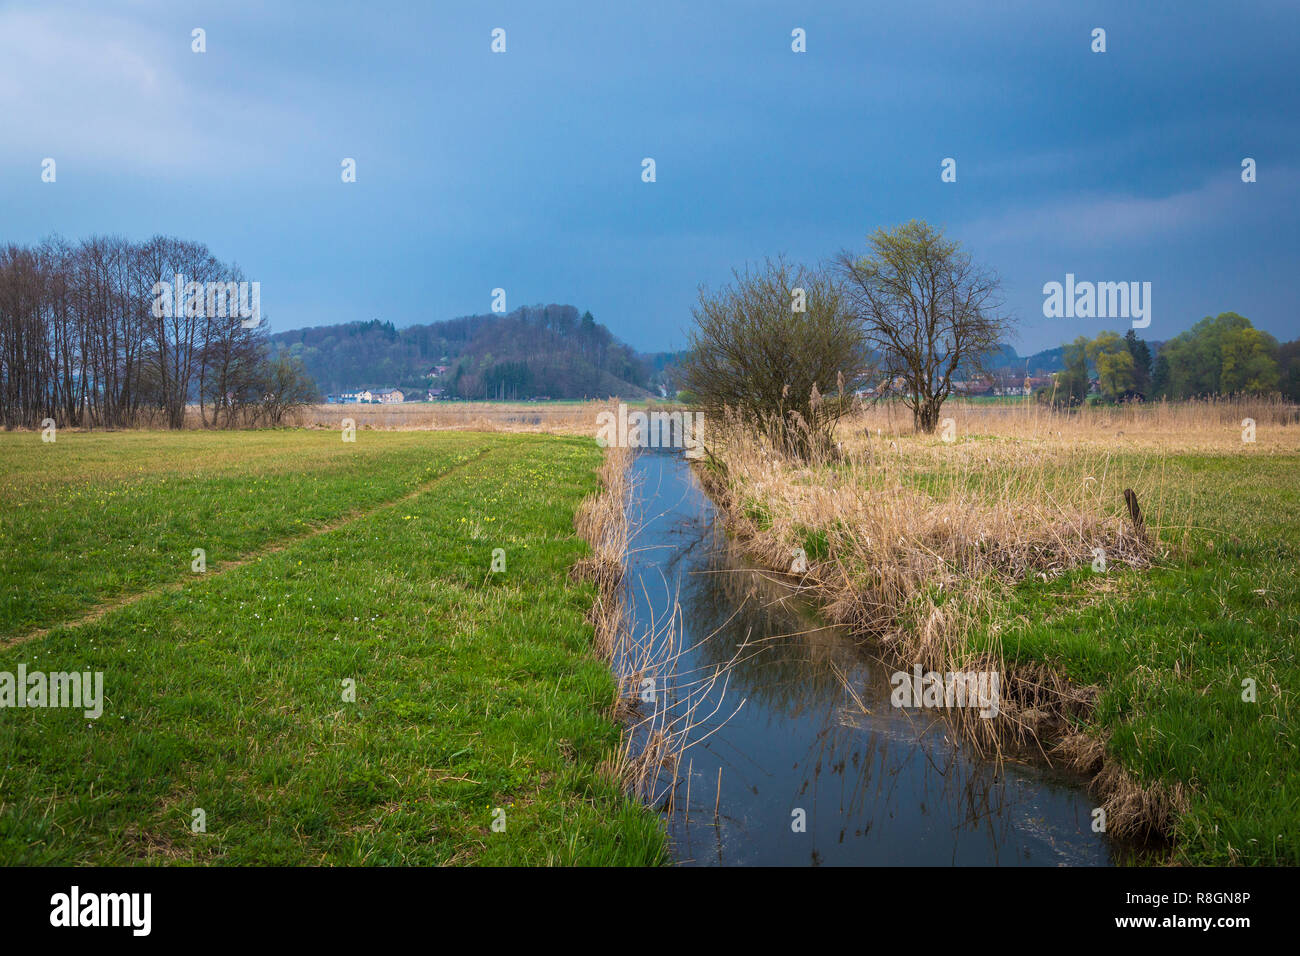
(277,546)
(63,553)
(476,692)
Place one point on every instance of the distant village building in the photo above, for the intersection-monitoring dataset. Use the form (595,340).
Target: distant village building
(1024,387)
(974,386)
(382,396)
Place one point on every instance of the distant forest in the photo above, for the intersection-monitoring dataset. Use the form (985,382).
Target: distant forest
(533,352)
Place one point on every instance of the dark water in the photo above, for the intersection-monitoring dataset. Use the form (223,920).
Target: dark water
(876,784)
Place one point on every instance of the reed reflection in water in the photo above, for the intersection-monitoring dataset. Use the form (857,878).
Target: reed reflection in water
(816,732)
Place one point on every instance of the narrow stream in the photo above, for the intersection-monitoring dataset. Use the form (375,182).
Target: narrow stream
(804,729)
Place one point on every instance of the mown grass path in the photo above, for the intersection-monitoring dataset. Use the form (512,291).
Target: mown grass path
(226,692)
(279,545)
(92,517)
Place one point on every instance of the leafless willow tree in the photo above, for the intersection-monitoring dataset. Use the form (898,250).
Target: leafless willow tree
(927,311)
(780,348)
(284,385)
(80,341)
(231,371)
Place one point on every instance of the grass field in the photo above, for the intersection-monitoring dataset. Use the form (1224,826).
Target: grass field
(367,565)
(569,416)
(1171,646)
(983,546)
(226,691)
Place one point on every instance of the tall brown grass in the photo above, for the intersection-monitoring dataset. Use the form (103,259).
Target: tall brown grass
(1188,425)
(576,418)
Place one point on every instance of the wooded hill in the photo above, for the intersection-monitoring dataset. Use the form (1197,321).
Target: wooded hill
(533,352)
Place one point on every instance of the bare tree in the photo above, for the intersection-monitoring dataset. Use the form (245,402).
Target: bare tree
(927,310)
(780,348)
(177,335)
(285,386)
(230,376)
(80,341)
(20,359)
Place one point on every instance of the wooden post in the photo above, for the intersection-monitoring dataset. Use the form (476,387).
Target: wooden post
(1135,512)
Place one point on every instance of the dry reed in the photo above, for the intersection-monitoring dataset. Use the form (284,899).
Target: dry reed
(648,760)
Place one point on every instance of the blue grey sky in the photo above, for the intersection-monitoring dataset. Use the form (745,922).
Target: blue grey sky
(522,169)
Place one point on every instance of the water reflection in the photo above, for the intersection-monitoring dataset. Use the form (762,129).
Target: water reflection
(816,739)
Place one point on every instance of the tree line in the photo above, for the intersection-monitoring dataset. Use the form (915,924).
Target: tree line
(1220,355)
(84,341)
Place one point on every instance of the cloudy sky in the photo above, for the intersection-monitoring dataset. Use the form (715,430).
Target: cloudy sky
(523,169)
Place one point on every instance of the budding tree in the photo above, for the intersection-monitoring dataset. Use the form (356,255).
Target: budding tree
(927,310)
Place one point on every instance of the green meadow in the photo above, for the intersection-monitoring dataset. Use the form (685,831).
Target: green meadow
(1198,657)
(346,682)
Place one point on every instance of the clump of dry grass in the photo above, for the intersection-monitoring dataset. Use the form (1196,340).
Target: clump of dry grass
(601,521)
(1133,810)
(903,523)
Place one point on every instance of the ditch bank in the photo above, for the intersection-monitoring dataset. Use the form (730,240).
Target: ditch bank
(767,735)
(1042,718)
